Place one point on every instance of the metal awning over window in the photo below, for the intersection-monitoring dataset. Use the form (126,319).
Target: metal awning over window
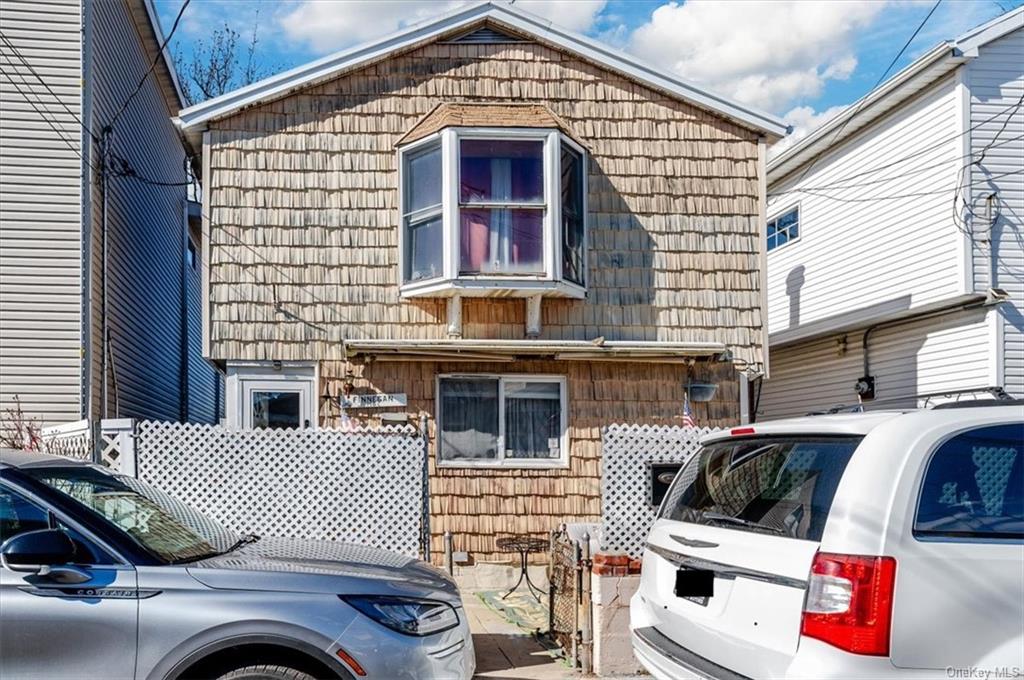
(510,350)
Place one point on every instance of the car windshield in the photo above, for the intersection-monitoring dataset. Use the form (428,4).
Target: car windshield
(163,526)
(774,485)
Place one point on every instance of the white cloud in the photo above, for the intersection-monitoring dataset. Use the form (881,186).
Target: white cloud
(327,25)
(769,54)
(576,15)
(804,120)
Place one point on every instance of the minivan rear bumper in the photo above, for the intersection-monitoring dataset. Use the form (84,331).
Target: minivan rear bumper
(667,660)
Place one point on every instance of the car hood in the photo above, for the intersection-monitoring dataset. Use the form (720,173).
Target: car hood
(297,565)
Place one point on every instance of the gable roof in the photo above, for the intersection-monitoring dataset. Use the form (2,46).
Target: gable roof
(502,17)
(930,67)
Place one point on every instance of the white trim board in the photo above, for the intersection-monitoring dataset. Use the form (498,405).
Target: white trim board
(192,120)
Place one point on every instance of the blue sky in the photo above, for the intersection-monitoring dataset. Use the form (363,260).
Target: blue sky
(800,59)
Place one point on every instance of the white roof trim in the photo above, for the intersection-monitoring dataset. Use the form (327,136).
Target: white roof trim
(564,348)
(154,20)
(356,57)
(946,55)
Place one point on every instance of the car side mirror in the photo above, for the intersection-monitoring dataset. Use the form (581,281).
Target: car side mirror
(35,551)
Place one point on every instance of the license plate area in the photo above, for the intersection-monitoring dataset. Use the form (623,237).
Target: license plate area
(695,585)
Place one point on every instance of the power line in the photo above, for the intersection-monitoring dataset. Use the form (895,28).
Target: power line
(52,125)
(32,70)
(877,83)
(142,81)
(836,186)
(867,199)
(902,159)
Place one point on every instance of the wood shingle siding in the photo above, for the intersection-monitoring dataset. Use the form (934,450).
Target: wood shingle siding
(303,210)
(479,505)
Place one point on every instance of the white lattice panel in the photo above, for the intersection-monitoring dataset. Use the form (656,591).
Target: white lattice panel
(361,487)
(627,453)
(72,440)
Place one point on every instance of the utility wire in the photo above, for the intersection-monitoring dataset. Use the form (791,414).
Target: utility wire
(142,81)
(893,178)
(867,199)
(52,124)
(21,57)
(863,99)
(898,161)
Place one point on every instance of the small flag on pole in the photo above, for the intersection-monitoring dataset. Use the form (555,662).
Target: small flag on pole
(688,420)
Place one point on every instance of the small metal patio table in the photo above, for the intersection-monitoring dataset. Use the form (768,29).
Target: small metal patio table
(524,545)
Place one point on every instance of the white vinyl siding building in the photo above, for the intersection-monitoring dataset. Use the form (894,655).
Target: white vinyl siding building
(996,84)
(879,247)
(40,208)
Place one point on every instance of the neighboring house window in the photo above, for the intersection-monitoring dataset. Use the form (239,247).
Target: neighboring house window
(783,229)
(493,208)
(515,421)
(190,255)
(974,487)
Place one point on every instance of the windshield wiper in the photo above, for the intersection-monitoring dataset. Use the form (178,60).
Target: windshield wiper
(244,539)
(728,519)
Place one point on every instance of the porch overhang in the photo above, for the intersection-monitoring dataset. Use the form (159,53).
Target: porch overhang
(510,350)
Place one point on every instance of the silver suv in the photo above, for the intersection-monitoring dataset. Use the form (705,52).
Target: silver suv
(104,576)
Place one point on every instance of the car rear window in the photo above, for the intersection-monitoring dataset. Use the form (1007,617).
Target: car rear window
(773,485)
(974,486)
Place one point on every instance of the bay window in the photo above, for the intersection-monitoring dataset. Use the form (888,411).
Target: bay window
(493,209)
(510,421)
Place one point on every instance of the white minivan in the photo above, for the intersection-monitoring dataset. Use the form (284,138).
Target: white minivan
(884,544)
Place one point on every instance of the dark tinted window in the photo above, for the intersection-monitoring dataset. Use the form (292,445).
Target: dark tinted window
(974,486)
(768,485)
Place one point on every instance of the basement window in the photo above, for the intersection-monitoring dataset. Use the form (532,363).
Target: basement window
(784,229)
(493,210)
(502,421)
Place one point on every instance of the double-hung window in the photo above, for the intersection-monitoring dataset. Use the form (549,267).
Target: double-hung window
(784,229)
(493,209)
(513,421)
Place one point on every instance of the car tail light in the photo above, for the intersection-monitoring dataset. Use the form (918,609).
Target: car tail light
(739,431)
(849,602)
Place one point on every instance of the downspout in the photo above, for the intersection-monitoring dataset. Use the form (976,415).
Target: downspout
(183,265)
(85,408)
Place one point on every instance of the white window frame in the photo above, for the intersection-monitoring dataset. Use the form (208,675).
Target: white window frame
(562,462)
(244,378)
(775,218)
(479,284)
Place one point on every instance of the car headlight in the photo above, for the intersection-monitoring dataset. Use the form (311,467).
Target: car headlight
(406,615)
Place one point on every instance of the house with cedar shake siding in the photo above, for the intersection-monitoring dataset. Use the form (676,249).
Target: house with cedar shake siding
(506,228)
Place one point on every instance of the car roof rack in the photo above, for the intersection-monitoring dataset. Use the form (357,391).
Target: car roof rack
(982,396)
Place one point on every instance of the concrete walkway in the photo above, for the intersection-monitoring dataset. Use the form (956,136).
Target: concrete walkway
(503,650)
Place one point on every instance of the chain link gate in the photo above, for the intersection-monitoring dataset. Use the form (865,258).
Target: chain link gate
(569,597)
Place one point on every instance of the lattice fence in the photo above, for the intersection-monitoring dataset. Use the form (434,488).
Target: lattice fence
(73,440)
(628,451)
(360,487)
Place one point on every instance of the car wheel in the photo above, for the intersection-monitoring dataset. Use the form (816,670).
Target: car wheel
(266,672)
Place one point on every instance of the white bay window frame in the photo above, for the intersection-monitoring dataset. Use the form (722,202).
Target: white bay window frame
(500,460)
(452,281)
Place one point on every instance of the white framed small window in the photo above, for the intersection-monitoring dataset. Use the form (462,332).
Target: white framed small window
(502,421)
(493,208)
(271,395)
(783,229)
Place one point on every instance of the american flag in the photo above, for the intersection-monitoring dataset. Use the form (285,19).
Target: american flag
(688,420)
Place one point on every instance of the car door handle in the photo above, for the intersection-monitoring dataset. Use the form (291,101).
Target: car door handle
(65,574)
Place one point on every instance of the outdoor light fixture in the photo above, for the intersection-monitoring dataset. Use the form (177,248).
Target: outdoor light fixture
(696,391)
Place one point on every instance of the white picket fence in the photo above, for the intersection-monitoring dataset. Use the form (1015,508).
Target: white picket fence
(362,486)
(628,451)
